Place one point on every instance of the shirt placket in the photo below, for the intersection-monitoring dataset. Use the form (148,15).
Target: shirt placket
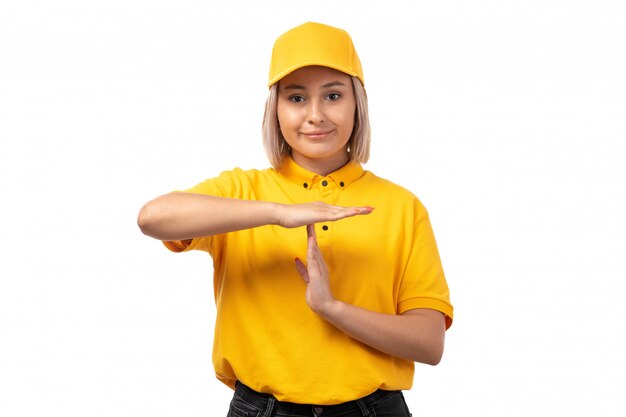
(327,191)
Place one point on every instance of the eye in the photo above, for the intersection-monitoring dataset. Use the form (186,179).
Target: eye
(296,99)
(333,96)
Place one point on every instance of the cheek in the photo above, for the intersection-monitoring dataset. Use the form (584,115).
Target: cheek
(287,118)
(347,120)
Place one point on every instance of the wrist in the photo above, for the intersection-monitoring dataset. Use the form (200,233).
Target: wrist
(274,212)
(331,310)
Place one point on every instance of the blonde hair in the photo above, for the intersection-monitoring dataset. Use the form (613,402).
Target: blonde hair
(277,148)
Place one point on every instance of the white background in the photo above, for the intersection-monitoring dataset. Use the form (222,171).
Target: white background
(507,119)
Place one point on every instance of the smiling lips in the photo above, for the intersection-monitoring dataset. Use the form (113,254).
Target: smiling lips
(316,135)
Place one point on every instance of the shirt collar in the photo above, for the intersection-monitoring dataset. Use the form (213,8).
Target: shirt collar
(343,177)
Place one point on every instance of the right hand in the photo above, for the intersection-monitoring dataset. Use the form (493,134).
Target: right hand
(296,215)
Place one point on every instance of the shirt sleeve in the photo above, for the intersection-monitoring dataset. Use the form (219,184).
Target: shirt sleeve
(228,184)
(424,283)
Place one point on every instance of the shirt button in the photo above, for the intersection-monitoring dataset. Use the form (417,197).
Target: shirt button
(325,227)
(305,185)
(324,183)
(341,184)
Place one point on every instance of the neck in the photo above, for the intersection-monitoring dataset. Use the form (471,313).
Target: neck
(322,166)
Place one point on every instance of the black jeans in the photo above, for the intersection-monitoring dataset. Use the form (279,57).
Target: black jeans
(249,403)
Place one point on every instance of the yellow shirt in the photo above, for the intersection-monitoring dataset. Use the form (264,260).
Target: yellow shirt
(266,335)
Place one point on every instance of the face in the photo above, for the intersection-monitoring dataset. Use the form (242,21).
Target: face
(316,108)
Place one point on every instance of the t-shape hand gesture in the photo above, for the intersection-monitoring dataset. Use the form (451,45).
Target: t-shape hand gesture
(315,274)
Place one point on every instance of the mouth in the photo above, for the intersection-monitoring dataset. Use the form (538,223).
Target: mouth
(319,134)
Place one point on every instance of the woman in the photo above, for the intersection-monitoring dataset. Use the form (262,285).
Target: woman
(329,321)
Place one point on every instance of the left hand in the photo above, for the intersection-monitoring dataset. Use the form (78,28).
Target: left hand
(315,274)
(416,335)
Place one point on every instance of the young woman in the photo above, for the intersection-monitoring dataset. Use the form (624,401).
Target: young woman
(327,280)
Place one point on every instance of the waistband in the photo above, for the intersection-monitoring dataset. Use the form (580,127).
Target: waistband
(263,401)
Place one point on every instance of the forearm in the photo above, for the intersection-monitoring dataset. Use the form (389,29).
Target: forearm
(418,337)
(180,215)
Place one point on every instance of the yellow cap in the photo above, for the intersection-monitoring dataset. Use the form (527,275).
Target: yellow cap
(314,44)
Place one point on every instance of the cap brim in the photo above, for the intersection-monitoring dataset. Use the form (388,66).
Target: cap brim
(293,68)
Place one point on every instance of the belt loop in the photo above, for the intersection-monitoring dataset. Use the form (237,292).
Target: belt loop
(270,406)
(364,410)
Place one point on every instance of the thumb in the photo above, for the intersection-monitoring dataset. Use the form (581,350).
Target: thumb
(302,270)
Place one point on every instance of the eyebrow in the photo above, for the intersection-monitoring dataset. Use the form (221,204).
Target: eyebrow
(327,85)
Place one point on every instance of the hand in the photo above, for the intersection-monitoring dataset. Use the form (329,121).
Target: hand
(296,215)
(315,274)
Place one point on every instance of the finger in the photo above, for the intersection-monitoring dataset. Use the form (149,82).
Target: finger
(310,232)
(343,212)
(311,239)
(302,270)
(316,264)
(312,248)
(357,211)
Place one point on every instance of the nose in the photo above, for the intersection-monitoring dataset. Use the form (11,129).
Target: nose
(315,113)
